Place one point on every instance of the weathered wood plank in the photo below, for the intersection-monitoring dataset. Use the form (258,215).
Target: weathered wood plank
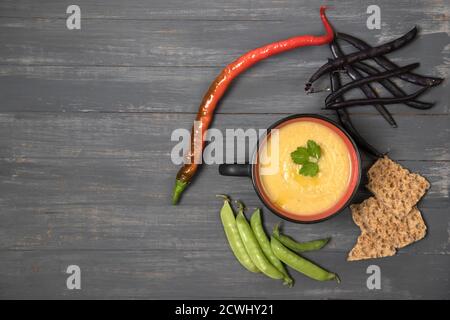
(174,274)
(142,43)
(185,43)
(130,136)
(103,181)
(100,178)
(55,221)
(432,17)
(269,88)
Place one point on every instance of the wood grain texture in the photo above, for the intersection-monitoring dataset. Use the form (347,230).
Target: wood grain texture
(85,123)
(104,42)
(144,136)
(430,15)
(194,274)
(65,190)
(266,88)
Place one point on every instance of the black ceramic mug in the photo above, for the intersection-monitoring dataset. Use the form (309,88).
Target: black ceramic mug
(252,170)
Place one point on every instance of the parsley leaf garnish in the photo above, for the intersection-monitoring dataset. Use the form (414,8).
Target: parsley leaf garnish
(300,156)
(313,149)
(307,157)
(309,169)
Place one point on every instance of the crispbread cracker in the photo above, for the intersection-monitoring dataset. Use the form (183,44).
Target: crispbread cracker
(382,231)
(413,229)
(395,186)
(384,222)
(369,246)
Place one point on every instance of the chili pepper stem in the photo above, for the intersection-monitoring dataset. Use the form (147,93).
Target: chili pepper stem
(178,190)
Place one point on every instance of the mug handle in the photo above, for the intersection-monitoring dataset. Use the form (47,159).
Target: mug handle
(237,170)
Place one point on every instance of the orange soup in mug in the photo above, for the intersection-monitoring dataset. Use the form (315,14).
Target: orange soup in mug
(304,198)
(276,178)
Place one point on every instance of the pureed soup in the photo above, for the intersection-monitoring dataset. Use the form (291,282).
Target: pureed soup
(279,176)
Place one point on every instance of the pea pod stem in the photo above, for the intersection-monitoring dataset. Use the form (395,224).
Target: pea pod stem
(298,246)
(253,248)
(299,263)
(232,233)
(261,237)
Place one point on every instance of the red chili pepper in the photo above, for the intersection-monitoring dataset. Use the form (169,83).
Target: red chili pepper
(221,84)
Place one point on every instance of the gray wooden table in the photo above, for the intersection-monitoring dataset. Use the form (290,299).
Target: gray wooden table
(85,123)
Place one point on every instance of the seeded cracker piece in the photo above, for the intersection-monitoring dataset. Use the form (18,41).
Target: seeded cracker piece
(395,186)
(369,246)
(413,229)
(373,217)
(357,214)
(382,231)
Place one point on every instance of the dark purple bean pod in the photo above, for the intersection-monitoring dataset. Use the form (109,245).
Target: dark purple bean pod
(390,86)
(346,122)
(366,89)
(362,55)
(365,102)
(388,64)
(377,77)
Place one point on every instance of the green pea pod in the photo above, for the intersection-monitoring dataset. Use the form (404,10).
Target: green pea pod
(263,241)
(254,250)
(299,263)
(298,246)
(234,239)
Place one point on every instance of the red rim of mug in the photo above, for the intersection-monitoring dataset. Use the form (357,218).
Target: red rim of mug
(355,177)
